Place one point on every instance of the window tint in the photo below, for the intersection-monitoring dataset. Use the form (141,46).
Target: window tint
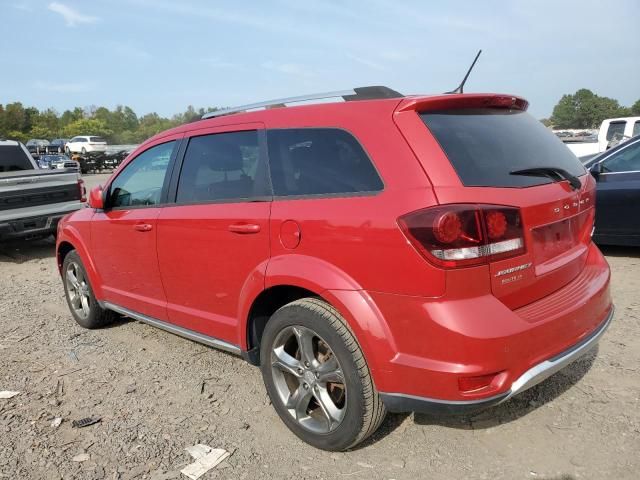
(625,160)
(13,158)
(140,183)
(616,130)
(636,129)
(486,145)
(221,166)
(315,161)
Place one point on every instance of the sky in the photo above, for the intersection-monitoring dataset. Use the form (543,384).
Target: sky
(162,55)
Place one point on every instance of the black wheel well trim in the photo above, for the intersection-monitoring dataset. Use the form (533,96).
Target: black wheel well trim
(263,307)
(63,250)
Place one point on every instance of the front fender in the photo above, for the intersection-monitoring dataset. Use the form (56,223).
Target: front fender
(70,234)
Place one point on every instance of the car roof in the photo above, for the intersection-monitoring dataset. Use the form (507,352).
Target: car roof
(277,111)
(9,143)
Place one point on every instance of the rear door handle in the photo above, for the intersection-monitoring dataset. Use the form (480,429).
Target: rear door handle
(143,227)
(244,228)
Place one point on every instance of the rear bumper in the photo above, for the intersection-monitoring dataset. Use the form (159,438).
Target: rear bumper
(441,345)
(408,403)
(36,226)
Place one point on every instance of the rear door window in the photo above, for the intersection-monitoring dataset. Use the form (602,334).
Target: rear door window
(319,161)
(222,167)
(615,131)
(486,145)
(97,140)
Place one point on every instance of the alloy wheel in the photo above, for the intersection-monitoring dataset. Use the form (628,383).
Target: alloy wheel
(309,379)
(78,290)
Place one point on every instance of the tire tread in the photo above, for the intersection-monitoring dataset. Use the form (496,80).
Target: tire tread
(374,409)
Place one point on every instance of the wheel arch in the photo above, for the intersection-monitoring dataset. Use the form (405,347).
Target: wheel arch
(316,278)
(70,240)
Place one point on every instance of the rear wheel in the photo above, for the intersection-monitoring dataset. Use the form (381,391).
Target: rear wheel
(82,303)
(84,150)
(317,377)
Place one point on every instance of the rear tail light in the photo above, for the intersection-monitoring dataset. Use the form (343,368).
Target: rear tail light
(83,190)
(454,236)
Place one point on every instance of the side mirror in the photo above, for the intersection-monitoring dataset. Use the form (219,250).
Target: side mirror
(596,169)
(96,198)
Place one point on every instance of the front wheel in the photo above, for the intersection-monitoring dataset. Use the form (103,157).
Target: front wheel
(84,307)
(317,377)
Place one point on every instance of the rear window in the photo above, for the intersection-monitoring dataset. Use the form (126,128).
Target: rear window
(319,161)
(13,158)
(616,130)
(97,140)
(636,129)
(486,145)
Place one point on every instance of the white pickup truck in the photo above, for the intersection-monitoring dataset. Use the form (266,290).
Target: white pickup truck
(612,131)
(32,201)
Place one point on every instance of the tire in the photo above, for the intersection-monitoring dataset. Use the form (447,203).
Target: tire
(67,151)
(339,407)
(83,151)
(88,315)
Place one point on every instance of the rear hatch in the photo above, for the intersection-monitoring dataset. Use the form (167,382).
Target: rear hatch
(486,150)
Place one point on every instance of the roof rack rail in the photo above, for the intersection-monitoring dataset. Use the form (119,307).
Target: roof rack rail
(359,93)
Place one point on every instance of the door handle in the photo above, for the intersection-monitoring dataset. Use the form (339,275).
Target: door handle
(244,228)
(143,227)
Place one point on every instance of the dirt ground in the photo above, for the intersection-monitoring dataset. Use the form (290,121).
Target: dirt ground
(157,393)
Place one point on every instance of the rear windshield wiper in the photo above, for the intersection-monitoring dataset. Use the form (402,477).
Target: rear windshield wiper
(554,173)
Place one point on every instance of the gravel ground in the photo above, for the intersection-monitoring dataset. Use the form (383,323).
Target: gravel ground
(157,394)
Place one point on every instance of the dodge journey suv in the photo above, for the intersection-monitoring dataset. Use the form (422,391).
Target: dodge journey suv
(376,253)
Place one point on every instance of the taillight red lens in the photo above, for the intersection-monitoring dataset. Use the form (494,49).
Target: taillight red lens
(447,227)
(463,235)
(496,224)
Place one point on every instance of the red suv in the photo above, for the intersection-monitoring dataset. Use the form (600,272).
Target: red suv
(382,253)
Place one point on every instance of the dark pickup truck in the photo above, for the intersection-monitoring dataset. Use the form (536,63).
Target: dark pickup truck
(32,201)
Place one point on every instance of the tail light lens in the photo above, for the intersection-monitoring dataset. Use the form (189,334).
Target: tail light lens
(83,190)
(454,236)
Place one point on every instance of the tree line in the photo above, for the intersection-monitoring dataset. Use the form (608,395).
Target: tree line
(585,109)
(119,126)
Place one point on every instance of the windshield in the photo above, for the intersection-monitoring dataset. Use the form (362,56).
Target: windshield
(486,145)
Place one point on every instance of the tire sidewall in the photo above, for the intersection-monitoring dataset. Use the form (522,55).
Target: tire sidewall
(350,427)
(90,321)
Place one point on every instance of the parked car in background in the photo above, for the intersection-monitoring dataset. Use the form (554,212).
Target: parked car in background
(58,145)
(36,146)
(377,253)
(58,162)
(86,144)
(612,131)
(33,200)
(617,174)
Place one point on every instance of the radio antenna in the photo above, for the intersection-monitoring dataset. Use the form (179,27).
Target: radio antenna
(464,80)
